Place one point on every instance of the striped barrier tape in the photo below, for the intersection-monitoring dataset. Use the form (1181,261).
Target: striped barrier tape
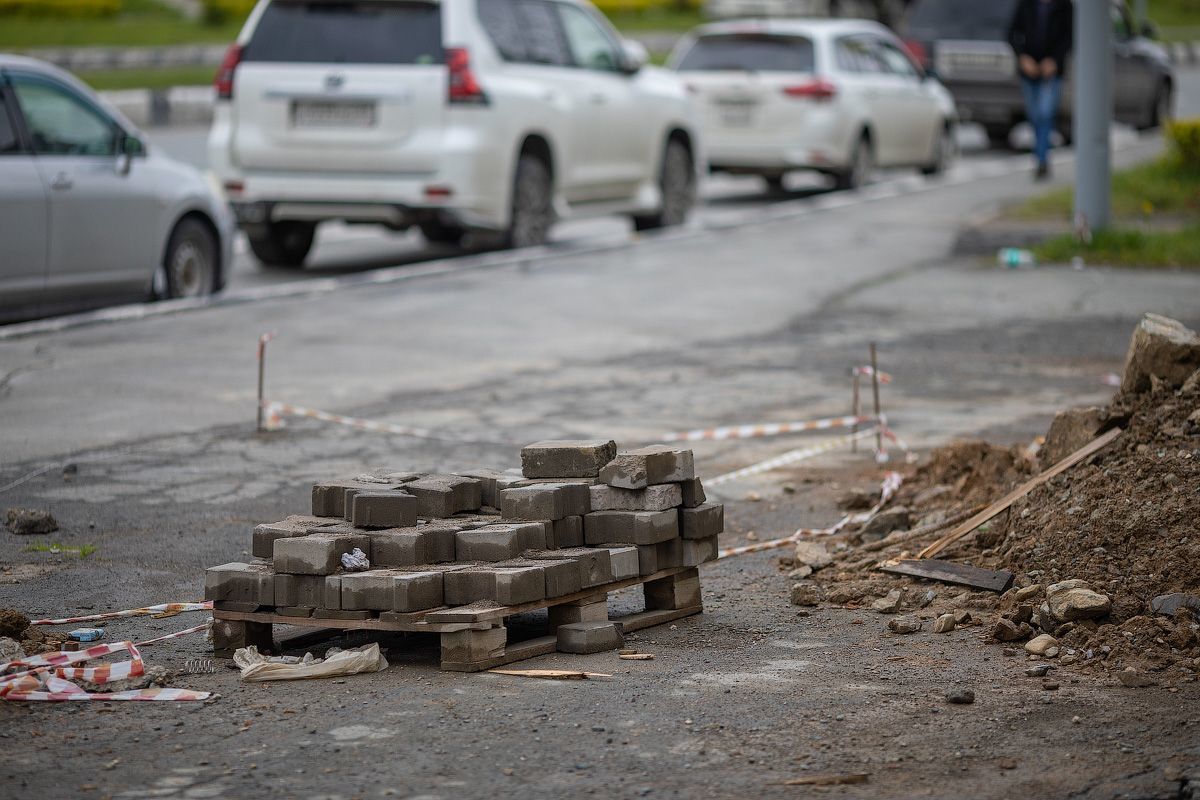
(764,429)
(791,457)
(868,370)
(161,610)
(891,483)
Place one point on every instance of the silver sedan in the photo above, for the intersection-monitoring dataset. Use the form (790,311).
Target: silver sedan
(89,214)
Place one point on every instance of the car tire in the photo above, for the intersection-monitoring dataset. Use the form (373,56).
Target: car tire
(436,232)
(943,152)
(190,266)
(774,184)
(677,183)
(532,211)
(283,244)
(998,138)
(858,173)
(1162,109)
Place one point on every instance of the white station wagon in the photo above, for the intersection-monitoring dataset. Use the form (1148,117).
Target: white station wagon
(836,96)
(451,115)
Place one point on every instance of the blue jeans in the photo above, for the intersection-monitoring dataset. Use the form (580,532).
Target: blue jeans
(1041,106)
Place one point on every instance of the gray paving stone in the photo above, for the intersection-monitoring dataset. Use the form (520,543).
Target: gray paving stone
(693,493)
(624,561)
(299,590)
(566,458)
(445,495)
(239,582)
(563,576)
(417,591)
(659,497)
(566,532)
(576,495)
(489,493)
(647,559)
(499,542)
(630,527)
(317,553)
(262,540)
(370,590)
(645,466)
(394,509)
(331,595)
(686,552)
(589,637)
(532,502)
(504,585)
(702,522)
(399,547)
(329,497)
(595,564)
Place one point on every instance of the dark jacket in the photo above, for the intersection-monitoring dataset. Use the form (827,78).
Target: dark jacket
(1056,43)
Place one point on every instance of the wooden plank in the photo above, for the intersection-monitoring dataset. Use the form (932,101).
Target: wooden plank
(373,624)
(551,674)
(520,651)
(646,619)
(461,614)
(950,572)
(1016,494)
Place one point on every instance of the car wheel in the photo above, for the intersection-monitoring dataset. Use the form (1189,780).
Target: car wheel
(677,183)
(190,268)
(861,163)
(943,152)
(774,184)
(1163,109)
(283,244)
(532,207)
(998,138)
(436,232)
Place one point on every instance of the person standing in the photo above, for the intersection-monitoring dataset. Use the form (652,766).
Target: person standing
(1040,34)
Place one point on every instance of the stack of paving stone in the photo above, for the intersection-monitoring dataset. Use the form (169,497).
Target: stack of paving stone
(577,515)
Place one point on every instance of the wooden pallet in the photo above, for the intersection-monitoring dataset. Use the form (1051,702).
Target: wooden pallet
(474,638)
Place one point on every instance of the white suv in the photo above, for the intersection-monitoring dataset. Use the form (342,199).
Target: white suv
(461,115)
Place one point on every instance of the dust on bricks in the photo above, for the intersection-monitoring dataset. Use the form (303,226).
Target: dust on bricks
(595,564)
(329,498)
(504,585)
(630,527)
(532,502)
(653,498)
(499,542)
(393,509)
(589,637)
(391,590)
(566,458)
(562,576)
(317,553)
(637,469)
(702,521)
(407,547)
(262,540)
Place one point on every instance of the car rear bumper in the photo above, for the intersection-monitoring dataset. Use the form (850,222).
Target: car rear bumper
(769,159)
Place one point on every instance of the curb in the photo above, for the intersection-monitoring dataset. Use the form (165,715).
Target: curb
(179,105)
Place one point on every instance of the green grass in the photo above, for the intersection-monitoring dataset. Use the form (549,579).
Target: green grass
(1127,248)
(83,550)
(149,78)
(1157,187)
(1174,13)
(142,23)
(656,19)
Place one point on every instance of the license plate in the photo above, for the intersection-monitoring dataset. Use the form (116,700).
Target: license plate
(739,115)
(328,114)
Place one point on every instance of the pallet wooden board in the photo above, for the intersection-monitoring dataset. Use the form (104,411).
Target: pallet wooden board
(950,572)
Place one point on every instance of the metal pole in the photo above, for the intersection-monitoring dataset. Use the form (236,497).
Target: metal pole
(1092,114)
(262,364)
(875,389)
(856,410)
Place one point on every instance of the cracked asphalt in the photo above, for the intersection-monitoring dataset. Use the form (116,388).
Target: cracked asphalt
(756,323)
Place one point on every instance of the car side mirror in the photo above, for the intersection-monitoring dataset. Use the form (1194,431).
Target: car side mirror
(634,56)
(1149,30)
(128,146)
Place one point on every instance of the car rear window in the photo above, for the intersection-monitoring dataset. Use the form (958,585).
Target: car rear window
(961,19)
(348,32)
(750,53)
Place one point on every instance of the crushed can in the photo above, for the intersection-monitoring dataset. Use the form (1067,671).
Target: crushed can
(86,634)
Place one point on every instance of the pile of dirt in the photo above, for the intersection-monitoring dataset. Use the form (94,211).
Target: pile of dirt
(1124,526)
(32,639)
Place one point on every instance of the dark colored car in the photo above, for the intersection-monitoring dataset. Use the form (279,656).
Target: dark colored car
(965,42)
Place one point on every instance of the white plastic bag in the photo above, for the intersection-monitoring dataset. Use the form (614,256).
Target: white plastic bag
(257,667)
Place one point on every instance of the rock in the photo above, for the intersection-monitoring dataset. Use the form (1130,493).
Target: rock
(962,617)
(1006,630)
(28,521)
(1022,613)
(1039,671)
(906,624)
(1039,645)
(889,604)
(932,494)
(858,499)
(1027,593)
(800,572)
(1050,686)
(10,649)
(1137,680)
(153,676)
(813,554)
(12,623)
(944,624)
(1070,430)
(883,523)
(1163,348)
(927,598)
(960,696)
(1075,602)
(1168,604)
(805,594)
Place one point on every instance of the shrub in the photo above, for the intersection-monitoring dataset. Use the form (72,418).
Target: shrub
(1184,137)
(60,8)
(219,12)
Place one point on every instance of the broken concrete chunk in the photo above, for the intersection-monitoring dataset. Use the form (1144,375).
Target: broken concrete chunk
(652,498)
(630,527)
(566,458)
(1073,600)
(544,501)
(637,469)
(889,604)
(908,623)
(316,553)
(589,637)
(1070,430)
(805,594)
(1162,348)
(886,521)
(30,521)
(394,509)
(812,554)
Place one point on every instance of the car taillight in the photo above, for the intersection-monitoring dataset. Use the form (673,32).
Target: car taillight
(917,51)
(463,86)
(224,78)
(818,89)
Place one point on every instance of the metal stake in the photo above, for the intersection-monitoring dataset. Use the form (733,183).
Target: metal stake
(875,389)
(856,410)
(262,364)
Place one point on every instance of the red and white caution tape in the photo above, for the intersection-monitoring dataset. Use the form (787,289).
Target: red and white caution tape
(177,634)
(791,457)
(868,370)
(891,483)
(764,429)
(161,610)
